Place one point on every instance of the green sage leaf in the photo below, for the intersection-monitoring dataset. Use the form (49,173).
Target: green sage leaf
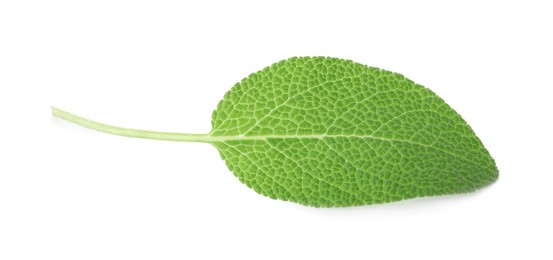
(329,132)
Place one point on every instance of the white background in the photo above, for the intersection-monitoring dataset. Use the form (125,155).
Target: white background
(70,193)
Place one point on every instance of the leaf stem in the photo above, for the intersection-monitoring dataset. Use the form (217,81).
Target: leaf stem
(179,137)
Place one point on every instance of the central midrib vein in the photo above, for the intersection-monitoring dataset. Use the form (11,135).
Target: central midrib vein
(208,138)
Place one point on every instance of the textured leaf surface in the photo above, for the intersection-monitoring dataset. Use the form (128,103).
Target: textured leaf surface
(328,132)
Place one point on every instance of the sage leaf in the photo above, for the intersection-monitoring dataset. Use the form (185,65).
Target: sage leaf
(328,132)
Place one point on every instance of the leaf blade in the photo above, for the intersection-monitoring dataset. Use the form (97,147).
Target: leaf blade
(319,104)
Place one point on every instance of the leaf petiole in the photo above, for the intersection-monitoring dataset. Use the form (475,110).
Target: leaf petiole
(136,133)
